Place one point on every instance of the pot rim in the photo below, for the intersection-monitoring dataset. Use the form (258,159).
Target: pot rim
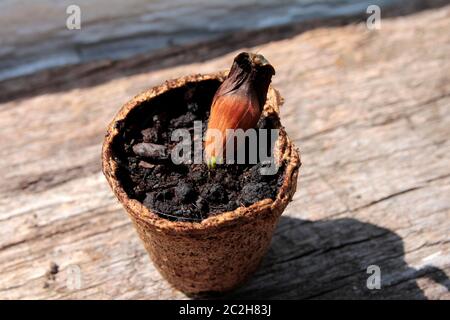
(223,220)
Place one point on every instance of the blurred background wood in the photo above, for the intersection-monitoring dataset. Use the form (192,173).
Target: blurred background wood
(370,111)
(34,35)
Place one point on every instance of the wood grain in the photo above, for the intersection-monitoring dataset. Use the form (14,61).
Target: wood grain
(35,37)
(370,111)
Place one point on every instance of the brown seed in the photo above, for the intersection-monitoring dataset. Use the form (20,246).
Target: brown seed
(239,101)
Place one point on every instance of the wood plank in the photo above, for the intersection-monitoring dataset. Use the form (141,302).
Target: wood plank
(35,36)
(84,63)
(370,111)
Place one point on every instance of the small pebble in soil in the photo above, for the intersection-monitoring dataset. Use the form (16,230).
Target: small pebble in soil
(184,120)
(150,135)
(199,175)
(252,191)
(193,107)
(146,165)
(150,150)
(185,192)
(202,205)
(215,193)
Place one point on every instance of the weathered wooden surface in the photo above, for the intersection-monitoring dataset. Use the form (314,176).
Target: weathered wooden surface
(35,37)
(370,111)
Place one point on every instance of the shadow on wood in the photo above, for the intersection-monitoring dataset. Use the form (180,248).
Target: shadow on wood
(328,260)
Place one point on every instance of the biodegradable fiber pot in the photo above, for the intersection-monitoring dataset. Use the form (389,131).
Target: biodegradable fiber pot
(220,252)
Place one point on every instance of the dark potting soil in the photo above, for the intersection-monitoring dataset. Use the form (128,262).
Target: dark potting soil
(184,192)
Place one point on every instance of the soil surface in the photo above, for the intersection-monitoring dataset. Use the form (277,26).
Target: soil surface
(184,192)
